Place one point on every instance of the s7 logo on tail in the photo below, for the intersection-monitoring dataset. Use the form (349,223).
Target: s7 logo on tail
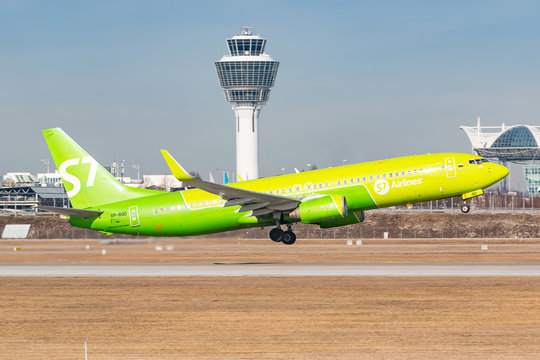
(72,179)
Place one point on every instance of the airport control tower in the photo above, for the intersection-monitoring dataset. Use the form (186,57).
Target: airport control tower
(246,75)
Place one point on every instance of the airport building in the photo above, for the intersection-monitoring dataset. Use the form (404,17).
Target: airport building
(23,199)
(247,74)
(516,144)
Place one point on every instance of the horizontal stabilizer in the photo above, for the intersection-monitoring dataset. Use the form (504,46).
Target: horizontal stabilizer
(77,213)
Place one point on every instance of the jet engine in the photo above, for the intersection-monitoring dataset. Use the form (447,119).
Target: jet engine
(320,209)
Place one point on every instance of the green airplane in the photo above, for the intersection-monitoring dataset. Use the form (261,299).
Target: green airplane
(326,197)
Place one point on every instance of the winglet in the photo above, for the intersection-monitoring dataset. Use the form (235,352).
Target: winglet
(177,170)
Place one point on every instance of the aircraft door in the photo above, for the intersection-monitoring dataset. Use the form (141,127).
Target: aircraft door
(450,166)
(297,190)
(134,216)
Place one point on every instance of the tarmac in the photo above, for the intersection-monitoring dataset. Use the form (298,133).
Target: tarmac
(268,270)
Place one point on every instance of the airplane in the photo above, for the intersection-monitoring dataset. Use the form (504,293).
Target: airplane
(326,197)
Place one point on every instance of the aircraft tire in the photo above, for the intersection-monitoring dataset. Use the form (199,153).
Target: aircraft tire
(465,208)
(276,234)
(289,238)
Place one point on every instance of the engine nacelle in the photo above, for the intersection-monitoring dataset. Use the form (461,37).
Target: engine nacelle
(320,209)
(353,217)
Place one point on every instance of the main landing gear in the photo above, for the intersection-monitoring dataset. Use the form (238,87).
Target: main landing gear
(465,208)
(287,237)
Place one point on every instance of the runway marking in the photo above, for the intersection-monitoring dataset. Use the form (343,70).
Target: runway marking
(238,269)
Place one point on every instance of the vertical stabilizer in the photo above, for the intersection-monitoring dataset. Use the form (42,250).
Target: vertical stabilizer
(87,183)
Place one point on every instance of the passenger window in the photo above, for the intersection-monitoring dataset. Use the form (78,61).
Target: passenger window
(344,182)
(161,209)
(371,178)
(384,176)
(155,211)
(357,180)
(270,192)
(173,208)
(325,184)
(314,186)
(378,177)
(409,172)
(364,179)
(167,209)
(414,171)
(397,174)
(403,173)
(214,202)
(320,186)
(390,175)
(339,182)
(420,170)
(283,191)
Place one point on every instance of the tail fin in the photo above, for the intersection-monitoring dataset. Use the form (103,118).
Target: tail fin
(87,183)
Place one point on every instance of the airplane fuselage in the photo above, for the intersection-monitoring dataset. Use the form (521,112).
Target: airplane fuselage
(364,186)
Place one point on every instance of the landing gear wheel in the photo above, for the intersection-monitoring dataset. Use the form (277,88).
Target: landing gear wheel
(289,238)
(465,208)
(276,234)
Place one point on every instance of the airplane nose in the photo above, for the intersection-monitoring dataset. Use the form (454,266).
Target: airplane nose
(499,171)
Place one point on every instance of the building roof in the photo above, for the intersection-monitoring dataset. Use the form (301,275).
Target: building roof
(514,143)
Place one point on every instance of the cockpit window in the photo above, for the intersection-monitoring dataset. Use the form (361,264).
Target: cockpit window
(477,161)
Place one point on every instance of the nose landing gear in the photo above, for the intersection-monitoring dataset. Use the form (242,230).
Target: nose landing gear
(465,208)
(287,237)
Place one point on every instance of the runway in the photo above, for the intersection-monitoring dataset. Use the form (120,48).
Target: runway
(268,270)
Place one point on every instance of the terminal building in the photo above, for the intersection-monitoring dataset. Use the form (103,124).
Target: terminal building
(515,144)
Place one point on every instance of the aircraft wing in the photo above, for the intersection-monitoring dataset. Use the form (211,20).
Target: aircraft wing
(259,203)
(78,213)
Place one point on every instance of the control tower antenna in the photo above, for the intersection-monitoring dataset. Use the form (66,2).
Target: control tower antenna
(246,75)
(247,30)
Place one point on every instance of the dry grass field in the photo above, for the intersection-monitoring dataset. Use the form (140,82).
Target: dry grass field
(270,318)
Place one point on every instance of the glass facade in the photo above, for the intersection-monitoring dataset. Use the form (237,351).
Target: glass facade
(247,73)
(246,47)
(519,136)
(532,179)
(258,95)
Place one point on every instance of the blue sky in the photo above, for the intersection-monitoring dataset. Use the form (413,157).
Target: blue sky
(358,80)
